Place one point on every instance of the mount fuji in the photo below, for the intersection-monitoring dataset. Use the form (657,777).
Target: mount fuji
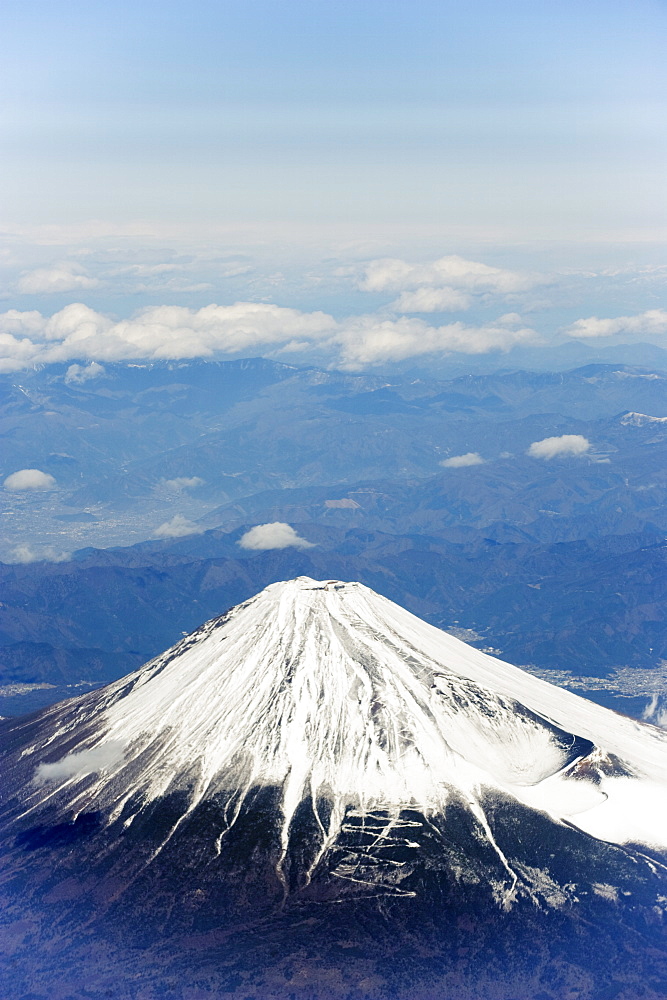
(320,795)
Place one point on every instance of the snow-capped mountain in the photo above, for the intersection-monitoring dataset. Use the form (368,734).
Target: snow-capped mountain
(632,419)
(334,695)
(319,746)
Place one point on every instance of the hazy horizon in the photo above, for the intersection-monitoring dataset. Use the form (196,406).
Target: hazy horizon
(326,160)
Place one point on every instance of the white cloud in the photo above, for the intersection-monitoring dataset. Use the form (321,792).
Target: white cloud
(178,527)
(146,270)
(370,340)
(23,554)
(163,277)
(460,461)
(77,332)
(276,535)
(65,277)
(172,332)
(183,483)
(510,319)
(393,275)
(566,444)
(652,322)
(173,285)
(655,711)
(235,270)
(78,764)
(77,374)
(29,479)
(432,300)
(29,323)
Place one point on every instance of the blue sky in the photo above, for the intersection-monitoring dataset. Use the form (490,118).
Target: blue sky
(530,117)
(259,149)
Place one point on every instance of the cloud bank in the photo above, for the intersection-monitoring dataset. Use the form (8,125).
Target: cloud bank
(29,479)
(452,272)
(369,340)
(432,300)
(65,277)
(276,535)
(161,332)
(78,332)
(554,447)
(649,323)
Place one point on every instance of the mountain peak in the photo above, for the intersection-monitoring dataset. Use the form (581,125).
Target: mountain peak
(344,701)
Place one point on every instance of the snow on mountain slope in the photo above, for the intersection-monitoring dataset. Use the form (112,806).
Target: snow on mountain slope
(632,419)
(335,694)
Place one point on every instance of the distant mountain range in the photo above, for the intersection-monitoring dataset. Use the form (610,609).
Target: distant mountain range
(247,426)
(559,563)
